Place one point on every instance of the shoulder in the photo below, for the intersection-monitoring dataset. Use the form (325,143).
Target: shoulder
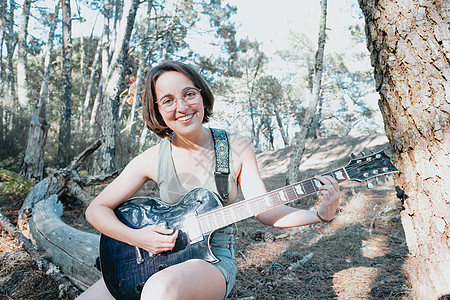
(239,144)
(145,164)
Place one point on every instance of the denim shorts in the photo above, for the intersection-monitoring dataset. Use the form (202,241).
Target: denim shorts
(222,245)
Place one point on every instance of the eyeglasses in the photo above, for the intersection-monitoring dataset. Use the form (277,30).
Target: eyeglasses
(190,95)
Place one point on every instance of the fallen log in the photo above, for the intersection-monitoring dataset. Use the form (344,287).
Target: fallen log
(74,251)
(65,287)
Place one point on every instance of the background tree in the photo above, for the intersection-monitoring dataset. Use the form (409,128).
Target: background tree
(66,96)
(33,164)
(22,86)
(410,45)
(300,138)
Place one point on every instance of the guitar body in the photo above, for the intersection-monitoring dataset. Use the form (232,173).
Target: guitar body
(123,273)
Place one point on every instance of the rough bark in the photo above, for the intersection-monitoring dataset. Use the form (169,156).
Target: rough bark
(33,163)
(2,39)
(113,88)
(87,99)
(22,87)
(105,42)
(66,99)
(10,45)
(409,43)
(300,137)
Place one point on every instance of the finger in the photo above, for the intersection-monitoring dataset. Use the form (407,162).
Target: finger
(328,182)
(162,230)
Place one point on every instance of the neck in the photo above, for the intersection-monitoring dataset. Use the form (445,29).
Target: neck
(201,139)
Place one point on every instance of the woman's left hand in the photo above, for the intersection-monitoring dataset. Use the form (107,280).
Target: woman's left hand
(331,194)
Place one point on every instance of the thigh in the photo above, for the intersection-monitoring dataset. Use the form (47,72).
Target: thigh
(192,279)
(97,291)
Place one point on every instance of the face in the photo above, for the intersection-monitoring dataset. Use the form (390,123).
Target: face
(185,118)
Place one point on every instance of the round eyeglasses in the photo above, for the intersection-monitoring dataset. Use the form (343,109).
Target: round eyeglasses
(190,95)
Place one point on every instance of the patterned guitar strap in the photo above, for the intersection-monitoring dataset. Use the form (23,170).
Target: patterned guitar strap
(222,150)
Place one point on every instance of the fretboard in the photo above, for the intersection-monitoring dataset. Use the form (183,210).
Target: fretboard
(241,210)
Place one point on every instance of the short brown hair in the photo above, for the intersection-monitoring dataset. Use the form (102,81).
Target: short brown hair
(151,114)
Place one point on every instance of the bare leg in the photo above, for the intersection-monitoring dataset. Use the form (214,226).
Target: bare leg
(192,279)
(97,291)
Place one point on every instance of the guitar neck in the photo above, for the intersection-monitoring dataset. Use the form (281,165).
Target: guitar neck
(241,210)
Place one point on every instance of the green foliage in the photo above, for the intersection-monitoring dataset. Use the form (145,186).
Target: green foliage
(11,182)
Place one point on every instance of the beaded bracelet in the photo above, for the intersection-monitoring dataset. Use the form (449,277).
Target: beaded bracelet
(321,219)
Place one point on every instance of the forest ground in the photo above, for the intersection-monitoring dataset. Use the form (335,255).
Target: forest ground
(362,254)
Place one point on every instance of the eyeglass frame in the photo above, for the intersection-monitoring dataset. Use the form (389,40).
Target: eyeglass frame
(175,97)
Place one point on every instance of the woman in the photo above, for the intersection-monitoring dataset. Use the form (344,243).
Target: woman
(177,102)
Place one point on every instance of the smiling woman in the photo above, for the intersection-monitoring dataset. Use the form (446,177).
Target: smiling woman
(177,103)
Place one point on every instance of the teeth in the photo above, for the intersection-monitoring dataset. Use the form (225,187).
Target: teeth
(185,118)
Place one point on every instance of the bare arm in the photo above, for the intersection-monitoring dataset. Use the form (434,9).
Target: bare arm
(252,186)
(100,212)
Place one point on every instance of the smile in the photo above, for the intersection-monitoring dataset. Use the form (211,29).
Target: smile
(185,118)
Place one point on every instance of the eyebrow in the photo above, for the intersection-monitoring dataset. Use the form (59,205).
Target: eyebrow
(182,91)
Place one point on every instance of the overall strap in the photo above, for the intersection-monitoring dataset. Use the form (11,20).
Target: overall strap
(222,151)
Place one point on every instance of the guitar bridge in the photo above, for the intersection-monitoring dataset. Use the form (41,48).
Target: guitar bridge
(193,229)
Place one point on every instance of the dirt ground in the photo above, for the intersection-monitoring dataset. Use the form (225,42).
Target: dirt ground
(362,254)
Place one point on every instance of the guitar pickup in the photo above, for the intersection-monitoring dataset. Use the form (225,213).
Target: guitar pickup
(192,228)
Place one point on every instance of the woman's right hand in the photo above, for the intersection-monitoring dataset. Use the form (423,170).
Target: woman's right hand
(155,239)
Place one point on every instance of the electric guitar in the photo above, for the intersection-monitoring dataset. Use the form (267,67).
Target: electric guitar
(197,215)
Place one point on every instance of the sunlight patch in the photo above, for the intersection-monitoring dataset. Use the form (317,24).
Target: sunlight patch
(354,283)
(375,246)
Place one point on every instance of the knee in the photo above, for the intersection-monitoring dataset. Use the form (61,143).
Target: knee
(161,287)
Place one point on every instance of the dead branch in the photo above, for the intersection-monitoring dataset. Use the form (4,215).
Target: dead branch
(77,161)
(48,268)
(99,179)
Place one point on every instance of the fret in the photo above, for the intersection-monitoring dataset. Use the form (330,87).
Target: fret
(299,190)
(339,175)
(291,194)
(282,197)
(272,200)
(221,218)
(317,184)
(308,186)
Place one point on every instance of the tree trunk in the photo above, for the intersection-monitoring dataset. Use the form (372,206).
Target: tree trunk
(22,88)
(2,39)
(66,101)
(283,132)
(10,45)
(33,163)
(300,137)
(87,99)
(409,43)
(105,42)
(113,88)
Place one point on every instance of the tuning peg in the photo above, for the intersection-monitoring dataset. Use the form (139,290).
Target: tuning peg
(363,153)
(353,155)
(370,185)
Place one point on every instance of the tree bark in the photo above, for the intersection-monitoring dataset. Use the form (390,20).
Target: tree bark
(66,99)
(22,87)
(105,42)
(113,88)
(10,45)
(33,163)
(87,99)
(300,137)
(409,42)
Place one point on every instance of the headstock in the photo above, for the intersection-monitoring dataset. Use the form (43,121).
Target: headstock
(370,166)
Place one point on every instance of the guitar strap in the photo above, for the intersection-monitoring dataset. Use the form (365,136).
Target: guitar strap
(222,151)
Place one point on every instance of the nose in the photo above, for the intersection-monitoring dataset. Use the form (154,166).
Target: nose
(181,104)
